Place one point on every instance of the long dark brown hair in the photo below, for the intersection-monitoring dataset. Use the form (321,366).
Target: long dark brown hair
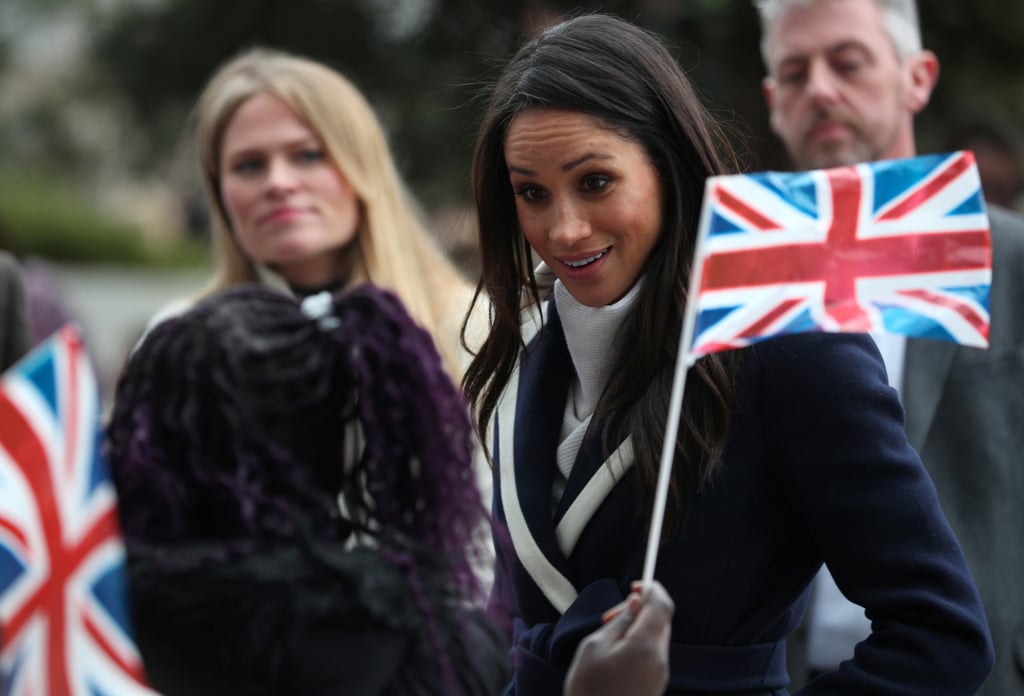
(628,80)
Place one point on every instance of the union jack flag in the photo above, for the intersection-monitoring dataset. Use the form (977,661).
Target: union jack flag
(64,625)
(898,246)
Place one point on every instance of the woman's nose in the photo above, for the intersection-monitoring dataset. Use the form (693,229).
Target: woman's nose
(281,176)
(570,225)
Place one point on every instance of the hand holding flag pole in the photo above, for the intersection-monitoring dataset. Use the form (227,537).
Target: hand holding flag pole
(896,246)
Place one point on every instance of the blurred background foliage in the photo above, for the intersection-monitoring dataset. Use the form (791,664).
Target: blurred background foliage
(95,139)
(45,216)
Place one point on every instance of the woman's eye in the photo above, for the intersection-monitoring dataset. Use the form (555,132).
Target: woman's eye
(249,165)
(530,194)
(595,182)
(310,155)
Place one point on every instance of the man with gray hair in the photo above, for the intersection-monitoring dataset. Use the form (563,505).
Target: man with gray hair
(845,81)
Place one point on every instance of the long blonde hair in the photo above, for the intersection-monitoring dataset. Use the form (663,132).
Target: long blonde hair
(393,248)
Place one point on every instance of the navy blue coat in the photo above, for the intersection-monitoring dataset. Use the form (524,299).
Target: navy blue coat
(817,468)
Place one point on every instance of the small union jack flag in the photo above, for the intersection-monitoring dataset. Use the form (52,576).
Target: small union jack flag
(64,627)
(898,246)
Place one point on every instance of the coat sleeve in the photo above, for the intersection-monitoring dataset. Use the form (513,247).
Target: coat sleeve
(872,511)
(14,329)
(541,653)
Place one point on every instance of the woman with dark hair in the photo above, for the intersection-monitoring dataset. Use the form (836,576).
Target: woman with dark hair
(593,154)
(298,502)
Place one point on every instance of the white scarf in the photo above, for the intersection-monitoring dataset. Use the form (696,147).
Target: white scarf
(592,335)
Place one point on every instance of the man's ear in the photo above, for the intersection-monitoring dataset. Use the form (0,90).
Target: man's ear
(768,88)
(923,75)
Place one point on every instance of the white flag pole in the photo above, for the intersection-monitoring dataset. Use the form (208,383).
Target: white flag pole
(684,359)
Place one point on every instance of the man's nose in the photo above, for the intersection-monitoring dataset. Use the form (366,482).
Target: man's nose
(822,85)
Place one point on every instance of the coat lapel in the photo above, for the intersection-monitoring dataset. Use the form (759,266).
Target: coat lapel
(592,478)
(926,371)
(578,504)
(929,363)
(528,425)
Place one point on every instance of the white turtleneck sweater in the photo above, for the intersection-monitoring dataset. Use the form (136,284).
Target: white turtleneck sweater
(592,336)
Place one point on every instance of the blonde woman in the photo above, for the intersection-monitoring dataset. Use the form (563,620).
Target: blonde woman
(304,195)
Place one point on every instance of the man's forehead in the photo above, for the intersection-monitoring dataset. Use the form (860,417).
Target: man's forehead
(802,53)
(826,26)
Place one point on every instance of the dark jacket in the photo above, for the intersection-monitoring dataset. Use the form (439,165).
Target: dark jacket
(290,620)
(14,329)
(965,415)
(817,468)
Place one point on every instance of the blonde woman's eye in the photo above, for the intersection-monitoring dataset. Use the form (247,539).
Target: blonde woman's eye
(310,155)
(247,166)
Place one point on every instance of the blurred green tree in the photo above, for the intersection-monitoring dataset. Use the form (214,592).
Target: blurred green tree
(422,63)
(417,61)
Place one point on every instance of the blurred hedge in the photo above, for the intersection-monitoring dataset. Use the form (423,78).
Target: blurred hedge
(39,217)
